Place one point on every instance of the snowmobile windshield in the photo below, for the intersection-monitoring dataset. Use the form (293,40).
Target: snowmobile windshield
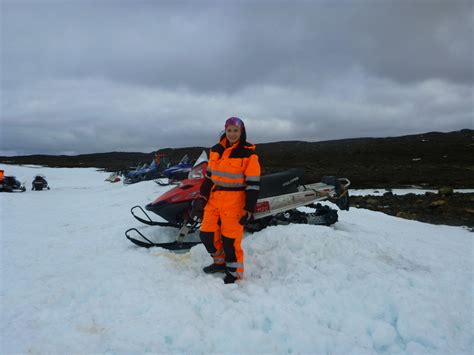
(198,170)
(202,157)
(184,160)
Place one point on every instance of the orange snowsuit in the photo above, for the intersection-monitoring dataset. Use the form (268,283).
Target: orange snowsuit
(231,187)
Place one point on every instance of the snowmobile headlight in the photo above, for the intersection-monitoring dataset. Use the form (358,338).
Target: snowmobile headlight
(195,174)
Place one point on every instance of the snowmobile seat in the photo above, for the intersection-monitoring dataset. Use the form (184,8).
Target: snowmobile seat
(11,181)
(282,183)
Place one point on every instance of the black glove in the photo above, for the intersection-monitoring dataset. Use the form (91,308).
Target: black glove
(246,218)
(197,210)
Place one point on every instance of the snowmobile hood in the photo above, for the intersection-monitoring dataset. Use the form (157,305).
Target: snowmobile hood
(187,190)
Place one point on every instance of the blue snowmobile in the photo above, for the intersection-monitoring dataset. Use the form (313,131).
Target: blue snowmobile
(177,172)
(148,172)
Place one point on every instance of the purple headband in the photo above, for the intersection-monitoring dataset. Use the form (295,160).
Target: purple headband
(235,121)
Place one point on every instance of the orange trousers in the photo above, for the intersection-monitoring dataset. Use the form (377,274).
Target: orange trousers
(221,233)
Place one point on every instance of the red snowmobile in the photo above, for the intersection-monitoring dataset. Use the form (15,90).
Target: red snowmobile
(280,196)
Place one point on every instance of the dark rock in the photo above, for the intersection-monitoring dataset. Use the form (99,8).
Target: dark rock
(446,191)
(455,210)
(406,215)
(437,203)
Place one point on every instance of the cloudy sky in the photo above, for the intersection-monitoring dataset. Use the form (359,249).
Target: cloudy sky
(84,76)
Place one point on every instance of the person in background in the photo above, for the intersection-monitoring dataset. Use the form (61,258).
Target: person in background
(228,198)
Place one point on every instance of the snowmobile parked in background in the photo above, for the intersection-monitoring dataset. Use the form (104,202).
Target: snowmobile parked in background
(148,172)
(177,172)
(113,177)
(10,183)
(39,183)
(281,195)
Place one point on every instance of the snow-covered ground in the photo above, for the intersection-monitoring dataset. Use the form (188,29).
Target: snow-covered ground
(370,284)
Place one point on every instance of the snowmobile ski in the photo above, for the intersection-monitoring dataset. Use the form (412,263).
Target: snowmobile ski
(162,183)
(149,221)
(147,243)
(178,244)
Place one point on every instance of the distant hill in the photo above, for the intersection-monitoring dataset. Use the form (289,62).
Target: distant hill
(431,159)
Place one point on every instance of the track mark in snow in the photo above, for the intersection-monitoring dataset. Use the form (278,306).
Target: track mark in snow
(402,263)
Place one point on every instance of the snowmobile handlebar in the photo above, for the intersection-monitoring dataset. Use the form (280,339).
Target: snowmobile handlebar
(345,182)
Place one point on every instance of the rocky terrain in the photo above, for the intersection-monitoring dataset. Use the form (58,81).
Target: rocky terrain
(430,160)
(455,209)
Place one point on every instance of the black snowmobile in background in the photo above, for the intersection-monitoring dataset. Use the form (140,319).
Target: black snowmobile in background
(11,184)
(281,195)
(39,183)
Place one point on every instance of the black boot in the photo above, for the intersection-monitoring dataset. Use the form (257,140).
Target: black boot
(229,279)
(213,268)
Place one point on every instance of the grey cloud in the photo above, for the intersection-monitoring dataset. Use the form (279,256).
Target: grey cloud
(136,75)
(84,119)
(225,47)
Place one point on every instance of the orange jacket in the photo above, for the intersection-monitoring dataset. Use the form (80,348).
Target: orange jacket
(234,168)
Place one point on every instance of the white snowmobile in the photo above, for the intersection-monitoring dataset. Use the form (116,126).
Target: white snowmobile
(280,196)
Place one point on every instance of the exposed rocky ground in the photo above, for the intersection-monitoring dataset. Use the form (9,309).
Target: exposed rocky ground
(431,160)
(455,209)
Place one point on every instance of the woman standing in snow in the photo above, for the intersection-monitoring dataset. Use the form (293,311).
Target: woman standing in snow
(229,194)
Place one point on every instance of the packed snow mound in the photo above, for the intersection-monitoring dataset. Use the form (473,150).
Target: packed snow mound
(371,283)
